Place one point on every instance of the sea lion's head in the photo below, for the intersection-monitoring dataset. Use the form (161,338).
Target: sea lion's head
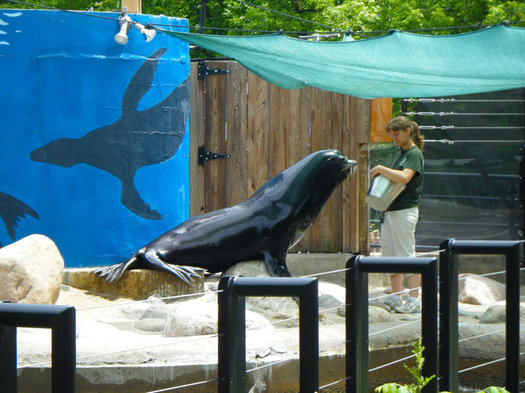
(336,162)
(322,171)
(307,185)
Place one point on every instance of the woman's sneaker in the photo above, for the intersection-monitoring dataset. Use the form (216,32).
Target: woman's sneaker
(393,302)
(411,306)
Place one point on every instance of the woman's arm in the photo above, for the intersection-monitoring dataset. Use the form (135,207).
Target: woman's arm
(395,175)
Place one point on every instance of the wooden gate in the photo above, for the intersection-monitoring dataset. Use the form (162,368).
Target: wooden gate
(264,129)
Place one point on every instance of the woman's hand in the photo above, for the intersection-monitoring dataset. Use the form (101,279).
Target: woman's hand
(377,170)
(395,175)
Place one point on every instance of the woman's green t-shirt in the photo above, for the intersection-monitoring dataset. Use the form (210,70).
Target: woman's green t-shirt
(411,158)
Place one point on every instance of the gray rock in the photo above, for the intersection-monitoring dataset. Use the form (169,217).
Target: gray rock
(192,319)
(474,289)
(331,297)
(375,314)
(154,325)
(497,314)
(199,317)
(247,269)
(31,271)
(379,314)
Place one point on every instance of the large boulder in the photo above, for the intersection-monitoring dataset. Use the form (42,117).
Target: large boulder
(199,316)
(31,271)
(474,289)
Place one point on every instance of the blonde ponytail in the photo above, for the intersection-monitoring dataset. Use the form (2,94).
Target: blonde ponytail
(416,135)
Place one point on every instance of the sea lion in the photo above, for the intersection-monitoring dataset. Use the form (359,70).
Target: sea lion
(265,226)
(138,138)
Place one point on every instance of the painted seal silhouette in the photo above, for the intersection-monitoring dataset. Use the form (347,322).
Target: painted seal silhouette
(12,210)
(136,139)
(263,227)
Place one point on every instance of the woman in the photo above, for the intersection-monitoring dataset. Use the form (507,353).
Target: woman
(398,230)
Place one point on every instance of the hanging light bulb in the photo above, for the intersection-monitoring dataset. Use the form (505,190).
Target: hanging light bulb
(149,33)
(124,23)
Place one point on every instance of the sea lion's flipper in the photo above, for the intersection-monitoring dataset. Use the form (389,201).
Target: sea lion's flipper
(276,266)
(114,272)
(141,81)
(185,273)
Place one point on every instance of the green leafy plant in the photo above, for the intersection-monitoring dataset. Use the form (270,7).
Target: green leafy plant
(419,380)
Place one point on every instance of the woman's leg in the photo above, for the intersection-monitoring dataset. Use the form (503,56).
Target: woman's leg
(414,282)
(396,282)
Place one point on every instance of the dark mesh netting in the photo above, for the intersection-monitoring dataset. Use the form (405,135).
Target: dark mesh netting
(473,167)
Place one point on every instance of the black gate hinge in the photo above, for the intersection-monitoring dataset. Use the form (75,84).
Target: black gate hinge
(208,155)
(203,70)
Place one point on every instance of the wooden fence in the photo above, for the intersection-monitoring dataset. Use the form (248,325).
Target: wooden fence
(265,129)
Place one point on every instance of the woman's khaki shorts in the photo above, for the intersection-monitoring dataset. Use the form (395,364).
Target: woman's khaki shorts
(398,233)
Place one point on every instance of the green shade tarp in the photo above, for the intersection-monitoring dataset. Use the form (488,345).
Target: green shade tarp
(395,65)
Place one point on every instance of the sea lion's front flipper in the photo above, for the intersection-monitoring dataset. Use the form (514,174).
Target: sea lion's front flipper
(276,266)
(185,273)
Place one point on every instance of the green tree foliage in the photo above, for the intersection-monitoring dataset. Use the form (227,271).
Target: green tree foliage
(340,15)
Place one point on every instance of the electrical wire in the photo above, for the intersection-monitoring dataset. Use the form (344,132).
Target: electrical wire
(482,365)
(391,363)
(333,383)
(183,386)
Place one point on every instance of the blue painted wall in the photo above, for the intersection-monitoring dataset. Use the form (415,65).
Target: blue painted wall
(94,139)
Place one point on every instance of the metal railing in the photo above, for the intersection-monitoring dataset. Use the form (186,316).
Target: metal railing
(232,328)
(61,321)
(232,295)
(357,363)
(448,320)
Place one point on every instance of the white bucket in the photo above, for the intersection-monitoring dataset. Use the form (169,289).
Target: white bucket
(383,192)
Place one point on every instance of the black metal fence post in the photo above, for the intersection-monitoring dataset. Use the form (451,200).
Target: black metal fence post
(8,359)
(448,319)
(61,319)
(357,314)
(63,347)
(356,328)
(513,251)
(232,339)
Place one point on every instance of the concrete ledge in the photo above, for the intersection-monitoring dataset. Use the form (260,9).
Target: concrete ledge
(282,377)
(136,284)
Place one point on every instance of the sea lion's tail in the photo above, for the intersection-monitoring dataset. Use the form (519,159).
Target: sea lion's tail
(113,273)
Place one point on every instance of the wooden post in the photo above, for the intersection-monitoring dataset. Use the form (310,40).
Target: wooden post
(133,6)
(380,115)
